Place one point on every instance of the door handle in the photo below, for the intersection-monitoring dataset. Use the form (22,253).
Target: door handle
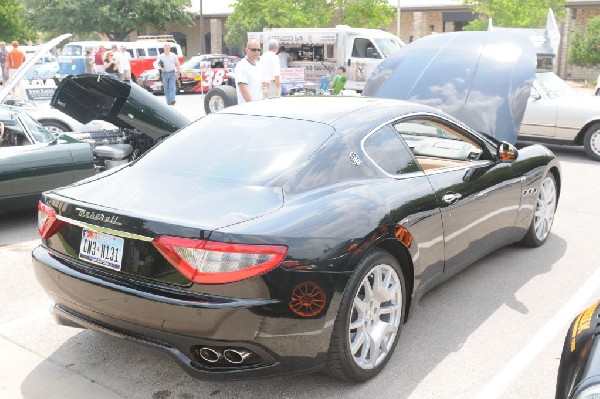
(451,198)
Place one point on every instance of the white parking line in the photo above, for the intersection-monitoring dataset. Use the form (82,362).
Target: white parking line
(556,325)
(21,321)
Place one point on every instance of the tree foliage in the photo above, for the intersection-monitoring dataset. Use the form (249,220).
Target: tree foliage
(12,22)
(114,18)
(584,49)
(254,15)
(513,14)
(363,13)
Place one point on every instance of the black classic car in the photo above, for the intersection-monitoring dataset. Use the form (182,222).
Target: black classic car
(294,234)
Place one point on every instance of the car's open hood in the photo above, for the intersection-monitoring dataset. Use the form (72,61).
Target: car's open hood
(45,48)
(88,97)
(481,78)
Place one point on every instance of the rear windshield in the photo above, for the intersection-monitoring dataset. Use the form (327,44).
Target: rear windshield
(251,150)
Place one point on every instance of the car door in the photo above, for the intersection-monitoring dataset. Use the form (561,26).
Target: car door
(478,197)
(540,115)
(362,58)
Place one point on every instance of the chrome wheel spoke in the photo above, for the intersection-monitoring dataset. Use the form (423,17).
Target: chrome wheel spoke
(375,316)
(545,209)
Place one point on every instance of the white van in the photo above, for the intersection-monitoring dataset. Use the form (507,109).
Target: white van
(143,53)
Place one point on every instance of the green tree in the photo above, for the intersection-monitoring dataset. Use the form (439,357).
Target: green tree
(254,15)
(584,49)
(12,22)
(512,13)
(114,18)
(363,13)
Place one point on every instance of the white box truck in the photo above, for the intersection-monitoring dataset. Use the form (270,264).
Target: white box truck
(319,52)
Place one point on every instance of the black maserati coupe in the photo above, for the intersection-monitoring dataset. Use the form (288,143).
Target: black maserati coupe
(294,234)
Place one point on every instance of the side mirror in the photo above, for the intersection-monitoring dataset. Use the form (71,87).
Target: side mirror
(506,152)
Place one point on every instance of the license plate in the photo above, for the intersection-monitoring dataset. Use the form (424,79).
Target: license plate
(101,249)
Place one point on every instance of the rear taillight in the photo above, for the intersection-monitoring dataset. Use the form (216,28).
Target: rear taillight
(211,262)
(48,224)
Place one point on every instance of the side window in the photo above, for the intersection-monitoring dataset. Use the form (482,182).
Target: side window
(437,145)
(386,149)
(153,52)
(141,52)
(131,54)
(174,50)
(364,48)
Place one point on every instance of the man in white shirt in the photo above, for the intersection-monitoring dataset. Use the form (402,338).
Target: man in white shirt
(271,71)
(124,64)
(248,74)
(169,68)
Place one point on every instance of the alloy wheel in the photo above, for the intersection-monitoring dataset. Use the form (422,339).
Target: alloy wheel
(216,104)
(545,208)
(375,316)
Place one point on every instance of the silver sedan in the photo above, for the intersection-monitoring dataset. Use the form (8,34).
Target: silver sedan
(558,114)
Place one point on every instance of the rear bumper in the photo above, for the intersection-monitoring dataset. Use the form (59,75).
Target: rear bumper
(181,327)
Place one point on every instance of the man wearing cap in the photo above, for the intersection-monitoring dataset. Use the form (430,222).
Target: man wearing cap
(271,71)
(3,68)
(14,59)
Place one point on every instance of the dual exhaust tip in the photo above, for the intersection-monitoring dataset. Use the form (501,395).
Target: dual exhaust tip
(230,355)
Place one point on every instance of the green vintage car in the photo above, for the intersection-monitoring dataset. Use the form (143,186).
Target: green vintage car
(33,160)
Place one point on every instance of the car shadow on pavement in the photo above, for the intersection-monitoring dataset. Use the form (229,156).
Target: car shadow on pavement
(439,325)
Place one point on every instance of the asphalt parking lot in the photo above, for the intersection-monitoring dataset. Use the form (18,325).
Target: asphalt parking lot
(495,330)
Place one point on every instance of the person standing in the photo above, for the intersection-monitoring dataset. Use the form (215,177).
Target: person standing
(271,71)
(283,57)
(99,60)
(89,61)
(111,66)
(3,67)
(124,64)
(14,59)
(170,70)
(248,74)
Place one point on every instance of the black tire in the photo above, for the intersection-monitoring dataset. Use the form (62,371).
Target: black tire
(543,215)
(591,142)
(56,126)
(341,361)
(219,97)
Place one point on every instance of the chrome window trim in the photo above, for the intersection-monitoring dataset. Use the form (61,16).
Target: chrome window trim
(105,230)
(420,173)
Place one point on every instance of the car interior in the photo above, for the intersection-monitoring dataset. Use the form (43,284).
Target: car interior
(436,145)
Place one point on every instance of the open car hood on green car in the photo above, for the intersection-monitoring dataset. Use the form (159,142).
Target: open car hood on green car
(88,97)
(482,79)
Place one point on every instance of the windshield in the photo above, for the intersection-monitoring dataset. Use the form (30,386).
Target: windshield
(71,50)
(251,150)
(388,46)
(553,86)
(39,132)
